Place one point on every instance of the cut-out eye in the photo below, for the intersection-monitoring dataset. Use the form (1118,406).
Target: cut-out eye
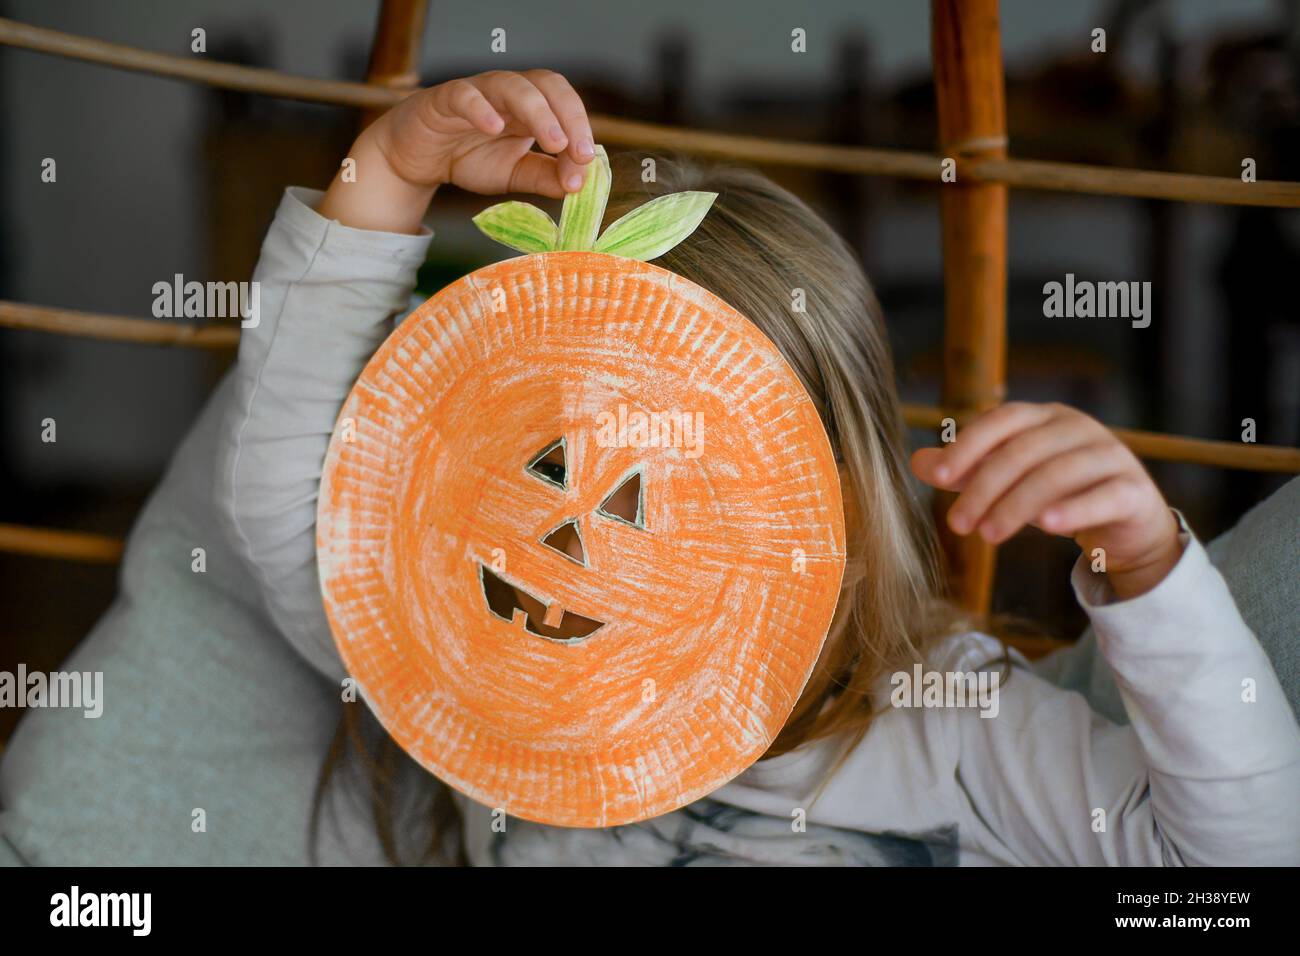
(551,464)
(567,540)
(626,503)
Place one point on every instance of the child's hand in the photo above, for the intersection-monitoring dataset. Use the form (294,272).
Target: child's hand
(475,133)
(1056,468)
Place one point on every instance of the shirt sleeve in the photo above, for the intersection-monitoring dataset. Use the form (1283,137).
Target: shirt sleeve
(1207,773)
(326,295)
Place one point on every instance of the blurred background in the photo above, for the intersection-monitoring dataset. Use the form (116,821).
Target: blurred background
(157,177)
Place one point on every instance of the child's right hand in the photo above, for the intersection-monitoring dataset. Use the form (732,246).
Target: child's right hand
(475,133)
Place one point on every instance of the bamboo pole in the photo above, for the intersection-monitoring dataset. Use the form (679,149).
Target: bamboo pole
(66,545)
(1223,454)
(395,52)
(76,546)
(1152,446)
(116,328)
(902,164)
(230,76)
(969,88)
(1020,173)
(47,543)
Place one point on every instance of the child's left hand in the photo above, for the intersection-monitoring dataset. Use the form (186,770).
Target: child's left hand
(1058,469)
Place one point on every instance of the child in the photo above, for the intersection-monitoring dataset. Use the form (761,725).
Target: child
(1200,776)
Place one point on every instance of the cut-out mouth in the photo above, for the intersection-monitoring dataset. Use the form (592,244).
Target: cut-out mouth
(518,607)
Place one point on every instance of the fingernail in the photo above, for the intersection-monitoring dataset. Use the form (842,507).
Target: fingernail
(573,183)
(557,135)
(585,147)
(989,532)
(942,472)
(957,523)
(1050,519)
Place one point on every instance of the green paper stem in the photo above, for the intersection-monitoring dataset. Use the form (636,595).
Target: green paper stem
(646,232)
(583,210)
(519,225)
(651,229)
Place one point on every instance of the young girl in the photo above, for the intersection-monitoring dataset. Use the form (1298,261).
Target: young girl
(1204,774)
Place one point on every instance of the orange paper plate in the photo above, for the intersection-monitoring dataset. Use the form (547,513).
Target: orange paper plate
(713,595)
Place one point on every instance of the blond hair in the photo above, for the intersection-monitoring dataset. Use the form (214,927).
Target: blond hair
(756,247)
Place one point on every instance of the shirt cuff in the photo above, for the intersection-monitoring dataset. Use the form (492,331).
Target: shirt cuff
(298,212)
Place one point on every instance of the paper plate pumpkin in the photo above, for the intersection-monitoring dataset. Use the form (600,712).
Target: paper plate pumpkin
(580,533)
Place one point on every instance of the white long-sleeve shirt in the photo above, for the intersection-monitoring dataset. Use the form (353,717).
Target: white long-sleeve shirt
(1207,772)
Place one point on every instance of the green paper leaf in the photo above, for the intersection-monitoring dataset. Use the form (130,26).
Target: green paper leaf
(583,210)
(519,225)
(650,230)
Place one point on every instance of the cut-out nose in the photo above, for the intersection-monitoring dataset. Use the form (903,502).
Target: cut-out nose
(567,539)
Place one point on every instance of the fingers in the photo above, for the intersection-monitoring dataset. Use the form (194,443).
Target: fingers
(1057,468)
(568,108)
(982,485)
(523,107)
(949,467)
(1012,464)
(1104,503)
(925,461)
(463,99)
(569,173)
(537,173)
(1029,495)
(545,105)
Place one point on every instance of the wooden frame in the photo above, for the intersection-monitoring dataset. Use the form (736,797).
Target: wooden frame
(969,86)
(970,94)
